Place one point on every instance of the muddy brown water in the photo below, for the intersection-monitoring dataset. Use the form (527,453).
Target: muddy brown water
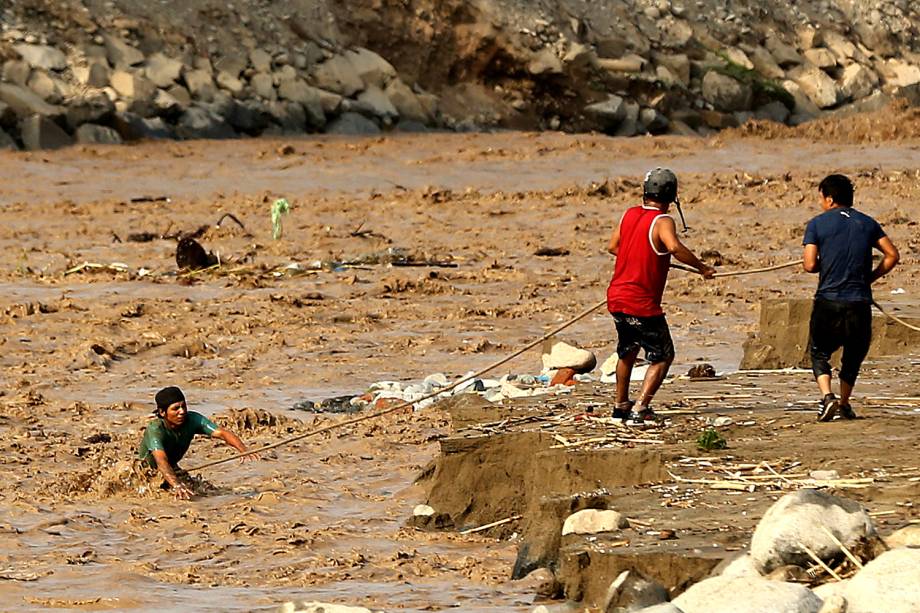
(323,519)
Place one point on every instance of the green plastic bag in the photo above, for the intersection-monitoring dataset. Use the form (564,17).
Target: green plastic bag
(279,208)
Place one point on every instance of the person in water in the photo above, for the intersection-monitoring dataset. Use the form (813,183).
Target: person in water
(168,437)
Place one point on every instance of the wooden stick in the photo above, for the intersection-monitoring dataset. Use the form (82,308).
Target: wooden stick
(814,556)
(843,548)
(494,524)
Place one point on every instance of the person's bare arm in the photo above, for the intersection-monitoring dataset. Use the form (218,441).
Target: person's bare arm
(665,235)
(234,441)
(614,245)
(890,258)
(166,469)
(810,261)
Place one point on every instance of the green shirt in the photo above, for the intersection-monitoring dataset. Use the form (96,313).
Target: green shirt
(158,436)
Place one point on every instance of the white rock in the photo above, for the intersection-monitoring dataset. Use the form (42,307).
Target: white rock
(423,510)
(900,73)
(908,536)
(890,584)
(799,519)
(437,380)
(747,594)
(379,103)
(857,81)
(664,607)
(338,75)
(817,85)
(594,521)
(742,566)
(834,604)
(828,590)
(821,57)
(557,354)
(42,56)
(737,56)
(824,475)
(510,391)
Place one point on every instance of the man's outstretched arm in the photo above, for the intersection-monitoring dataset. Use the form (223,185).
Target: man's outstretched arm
(166,469)
(666,233)
(234,441)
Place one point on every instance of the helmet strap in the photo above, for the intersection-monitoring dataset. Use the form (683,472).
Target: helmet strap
(681,213)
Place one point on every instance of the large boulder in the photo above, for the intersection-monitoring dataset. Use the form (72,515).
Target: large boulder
(289,116)
(163,71)
(379,104)
(338,75)
(263,85)
(608,114)
(889,583)
(857,81)
(406,102)
(95,74)
(353,124)
(92,134)
(131,126)
(261,60)
(91,107)
(725,93)
(764,62)
(200,84)
(557,354)
(817,85)
(748,594)
(372,69)
(25,102)
(42,56)
(48,88)
(784,54)
(39,132)
(297,90)
(120,54)
(908,536)
(16,72)
(132,86)
(594,521)
(632,592)
(800,519)
(199,122)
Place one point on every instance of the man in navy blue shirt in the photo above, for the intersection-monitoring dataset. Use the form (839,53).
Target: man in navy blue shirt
(838,246)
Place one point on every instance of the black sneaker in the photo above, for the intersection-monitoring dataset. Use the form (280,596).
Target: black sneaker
(623,410)
(644,417)
(847,412)
(829,408)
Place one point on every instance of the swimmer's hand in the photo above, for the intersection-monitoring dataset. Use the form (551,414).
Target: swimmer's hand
(181,492)
(252,457)
(708,272)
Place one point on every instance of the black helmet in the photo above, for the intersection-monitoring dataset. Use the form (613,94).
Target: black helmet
(660,185)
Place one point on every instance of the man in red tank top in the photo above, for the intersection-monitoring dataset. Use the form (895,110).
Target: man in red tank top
(644,242)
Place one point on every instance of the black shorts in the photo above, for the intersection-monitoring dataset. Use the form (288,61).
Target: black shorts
(840,324)
(648,333)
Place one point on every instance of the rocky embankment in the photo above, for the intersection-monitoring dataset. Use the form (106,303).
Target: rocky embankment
(93,72)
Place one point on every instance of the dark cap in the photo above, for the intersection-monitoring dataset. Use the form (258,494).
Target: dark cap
(168,396)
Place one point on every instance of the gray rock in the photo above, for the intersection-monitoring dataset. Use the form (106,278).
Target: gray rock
(16,72)
(232,64)
(261,60)
(379,104)
(120,54)
(132,86)
(764,63)
(545,62)
(264,86)
(39,132)
(804,107)
(784,55)
(772,111)
(285,73)
(181,95)
(837,43)
(653,121)
(132,127)
(631,592)
(42,56)
(308,97)
(405,102)
(92,107)
(163,71)
(167,105)
(338,75)
(250,117)
(230,83)
(821,57)
(799,519)
(92,134)
(889,583)
(857,81)
(46,87)
(199,122)
(95,74)
(370,67)
(25,103)
(726,594)
(353,124)
(677,64)
(331,102)
(725,93)
(674,33)
(200,85)
(410,126)
(290,116)
(7,143)
(817,85)
(609,113)
(8,118)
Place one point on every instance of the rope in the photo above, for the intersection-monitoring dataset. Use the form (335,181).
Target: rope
(490,367)
(407,404)
(894,317)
